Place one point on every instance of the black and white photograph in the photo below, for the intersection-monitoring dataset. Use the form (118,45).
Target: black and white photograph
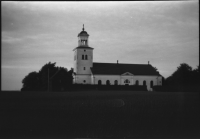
(100,69)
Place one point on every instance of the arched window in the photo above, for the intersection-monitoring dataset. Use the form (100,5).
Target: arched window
(83,68)
(151,84)
(116,82)
(85,57)
(144,83)
(107,82)
(82,57)
(99,82)
(137,82)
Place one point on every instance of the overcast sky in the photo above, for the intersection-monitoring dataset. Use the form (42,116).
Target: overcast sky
(34,33)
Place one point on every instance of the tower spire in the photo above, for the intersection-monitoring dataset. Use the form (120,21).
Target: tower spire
(83,27)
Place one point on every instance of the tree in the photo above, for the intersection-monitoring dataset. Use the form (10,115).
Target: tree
(195,76)
(48,77)
(181,77)
(155,68)
(31,82)
(47,71)
(184,78)
(62,80)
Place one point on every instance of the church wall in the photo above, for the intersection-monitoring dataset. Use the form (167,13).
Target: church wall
(148,79)
(130,78)
(159,80)
(75,61)
(79,79)
(156,80)
(82,66)
(104,78)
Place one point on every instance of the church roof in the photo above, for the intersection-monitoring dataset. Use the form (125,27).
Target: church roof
(83,47)
(83,33)
(118,69)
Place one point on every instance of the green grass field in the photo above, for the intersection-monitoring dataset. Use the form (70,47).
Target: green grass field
(100,114)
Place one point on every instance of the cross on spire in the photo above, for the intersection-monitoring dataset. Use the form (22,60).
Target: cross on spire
(83,27)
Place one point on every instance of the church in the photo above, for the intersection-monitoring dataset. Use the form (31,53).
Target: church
(88,72)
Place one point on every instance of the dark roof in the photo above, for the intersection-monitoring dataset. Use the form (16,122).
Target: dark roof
(83,47)
(118,69)
(83,33)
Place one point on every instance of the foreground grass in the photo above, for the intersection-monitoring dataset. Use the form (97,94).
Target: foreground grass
(100,114)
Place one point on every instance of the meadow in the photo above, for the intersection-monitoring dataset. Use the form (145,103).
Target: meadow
(99,114)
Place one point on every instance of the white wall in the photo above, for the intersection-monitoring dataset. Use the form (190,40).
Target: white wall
(104,78)
(79,63)
(79,79)
(156,80)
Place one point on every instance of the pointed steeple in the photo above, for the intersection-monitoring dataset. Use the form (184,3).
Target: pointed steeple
(83,27)
(83,32)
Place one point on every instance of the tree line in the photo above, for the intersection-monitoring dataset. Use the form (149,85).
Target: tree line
(53,78)
(183,79)
(184,76)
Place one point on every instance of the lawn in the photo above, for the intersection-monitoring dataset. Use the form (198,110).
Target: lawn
(100,114)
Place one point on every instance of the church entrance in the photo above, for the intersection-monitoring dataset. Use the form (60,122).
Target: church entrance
(126,82)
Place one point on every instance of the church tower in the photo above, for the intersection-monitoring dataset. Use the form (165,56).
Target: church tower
(83,59)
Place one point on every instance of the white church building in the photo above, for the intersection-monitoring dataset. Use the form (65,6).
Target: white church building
(88,72)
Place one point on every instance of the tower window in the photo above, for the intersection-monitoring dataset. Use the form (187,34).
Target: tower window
(85,57)
(84,50)
(82,57)
(82,42)
(83,68)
